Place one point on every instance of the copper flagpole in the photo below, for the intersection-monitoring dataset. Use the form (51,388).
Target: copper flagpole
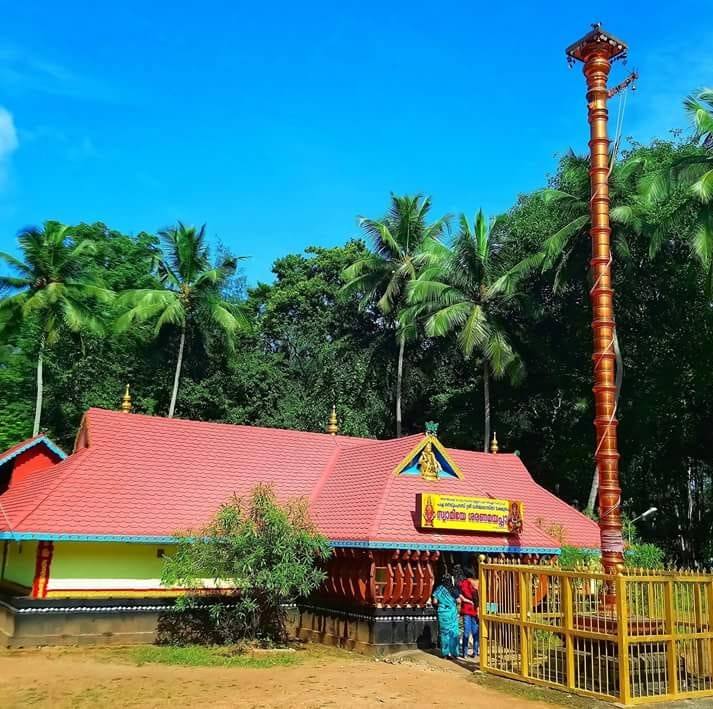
(597,50)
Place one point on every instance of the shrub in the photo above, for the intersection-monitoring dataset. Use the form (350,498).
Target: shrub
(644,555)
(259,555)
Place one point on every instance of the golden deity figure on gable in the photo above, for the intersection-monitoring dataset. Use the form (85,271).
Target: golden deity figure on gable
(428,463)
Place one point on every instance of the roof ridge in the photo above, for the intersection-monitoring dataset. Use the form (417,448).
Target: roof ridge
(379,511)
(328,469)
(224,424)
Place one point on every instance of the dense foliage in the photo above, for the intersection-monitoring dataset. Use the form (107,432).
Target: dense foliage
(262,554)
(311,339)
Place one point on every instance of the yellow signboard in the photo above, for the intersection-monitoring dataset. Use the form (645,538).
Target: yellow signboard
(469,514)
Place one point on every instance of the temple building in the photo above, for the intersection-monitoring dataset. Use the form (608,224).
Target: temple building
(84,534)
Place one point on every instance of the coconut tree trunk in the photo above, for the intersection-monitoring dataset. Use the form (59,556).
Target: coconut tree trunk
(399,380)
(594,489)
(486,402)
(40,387)
(177,376)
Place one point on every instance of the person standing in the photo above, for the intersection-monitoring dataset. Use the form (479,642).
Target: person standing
(469,608)
(446,598)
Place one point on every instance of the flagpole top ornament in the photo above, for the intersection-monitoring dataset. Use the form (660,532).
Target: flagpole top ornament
(432,429)
(126,401)
(599,40)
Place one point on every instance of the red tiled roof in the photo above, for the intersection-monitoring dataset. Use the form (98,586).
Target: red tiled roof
(144,476)
(364,501)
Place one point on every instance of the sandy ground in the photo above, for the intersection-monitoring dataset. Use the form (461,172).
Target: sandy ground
(90,678)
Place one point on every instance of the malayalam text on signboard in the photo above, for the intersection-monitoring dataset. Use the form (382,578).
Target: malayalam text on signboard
(470,514)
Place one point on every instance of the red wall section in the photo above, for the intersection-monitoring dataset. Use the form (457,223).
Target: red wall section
(32,460)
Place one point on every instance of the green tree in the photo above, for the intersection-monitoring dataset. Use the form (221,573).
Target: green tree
(189,297)
(53,287)
(564,251)
(320,347)
(692,170)
(381,276)
(455,290)
(268,554)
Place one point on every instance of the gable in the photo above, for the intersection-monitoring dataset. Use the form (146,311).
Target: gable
(26,458)
(429,460)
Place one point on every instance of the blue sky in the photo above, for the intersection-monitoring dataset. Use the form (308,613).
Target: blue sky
(278,123)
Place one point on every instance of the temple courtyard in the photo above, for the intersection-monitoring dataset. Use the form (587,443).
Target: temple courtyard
(311,677)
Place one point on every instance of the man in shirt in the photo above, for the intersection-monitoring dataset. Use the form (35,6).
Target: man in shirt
(469,611)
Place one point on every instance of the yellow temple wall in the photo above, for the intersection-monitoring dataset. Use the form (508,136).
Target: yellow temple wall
(84,569)
(19,559)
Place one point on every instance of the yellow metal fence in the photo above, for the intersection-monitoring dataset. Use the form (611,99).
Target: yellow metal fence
(634,638)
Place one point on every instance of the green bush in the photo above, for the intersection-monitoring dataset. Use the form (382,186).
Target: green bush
(642,555)
(260,554)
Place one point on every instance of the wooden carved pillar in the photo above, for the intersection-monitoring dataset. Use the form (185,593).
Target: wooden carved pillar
(409,577)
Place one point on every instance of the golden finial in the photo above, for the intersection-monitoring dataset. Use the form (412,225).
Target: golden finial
(333,424)
(494,444)
(126,401)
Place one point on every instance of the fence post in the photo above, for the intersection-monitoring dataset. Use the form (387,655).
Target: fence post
(622,628)
(709,591)
(567,616)
(483,612)
(671,664)
(524,597)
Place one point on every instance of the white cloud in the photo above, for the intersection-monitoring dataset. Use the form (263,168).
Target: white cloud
(8,142)
(23,71)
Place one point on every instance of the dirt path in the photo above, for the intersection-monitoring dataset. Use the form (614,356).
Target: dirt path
(87,678)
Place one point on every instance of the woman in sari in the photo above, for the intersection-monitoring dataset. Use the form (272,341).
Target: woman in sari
(446,598)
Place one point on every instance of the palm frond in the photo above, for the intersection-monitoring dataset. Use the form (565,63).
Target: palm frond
(703,241)
(173,314)
(656,186)
(12,283)
(498,352)
(16,264)
(475,331)
(703,188)
(448,319)
(700,115)
(384,242)
(80,319)
(556,245)
(508,282)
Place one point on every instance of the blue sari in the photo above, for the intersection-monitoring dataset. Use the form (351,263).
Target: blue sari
(447,611)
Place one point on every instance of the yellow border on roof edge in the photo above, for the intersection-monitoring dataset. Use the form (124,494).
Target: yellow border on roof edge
(419,447)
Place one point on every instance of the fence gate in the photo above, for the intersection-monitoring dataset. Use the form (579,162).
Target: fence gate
(633,638)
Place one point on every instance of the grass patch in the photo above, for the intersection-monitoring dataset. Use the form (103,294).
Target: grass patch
(202,656)
(535,693)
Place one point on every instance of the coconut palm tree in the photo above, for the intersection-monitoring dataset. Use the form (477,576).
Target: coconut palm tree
(382,276)
(53,286)
(190,296)
(455,291)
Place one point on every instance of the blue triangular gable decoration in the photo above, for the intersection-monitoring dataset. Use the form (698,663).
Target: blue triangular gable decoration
(410,465)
